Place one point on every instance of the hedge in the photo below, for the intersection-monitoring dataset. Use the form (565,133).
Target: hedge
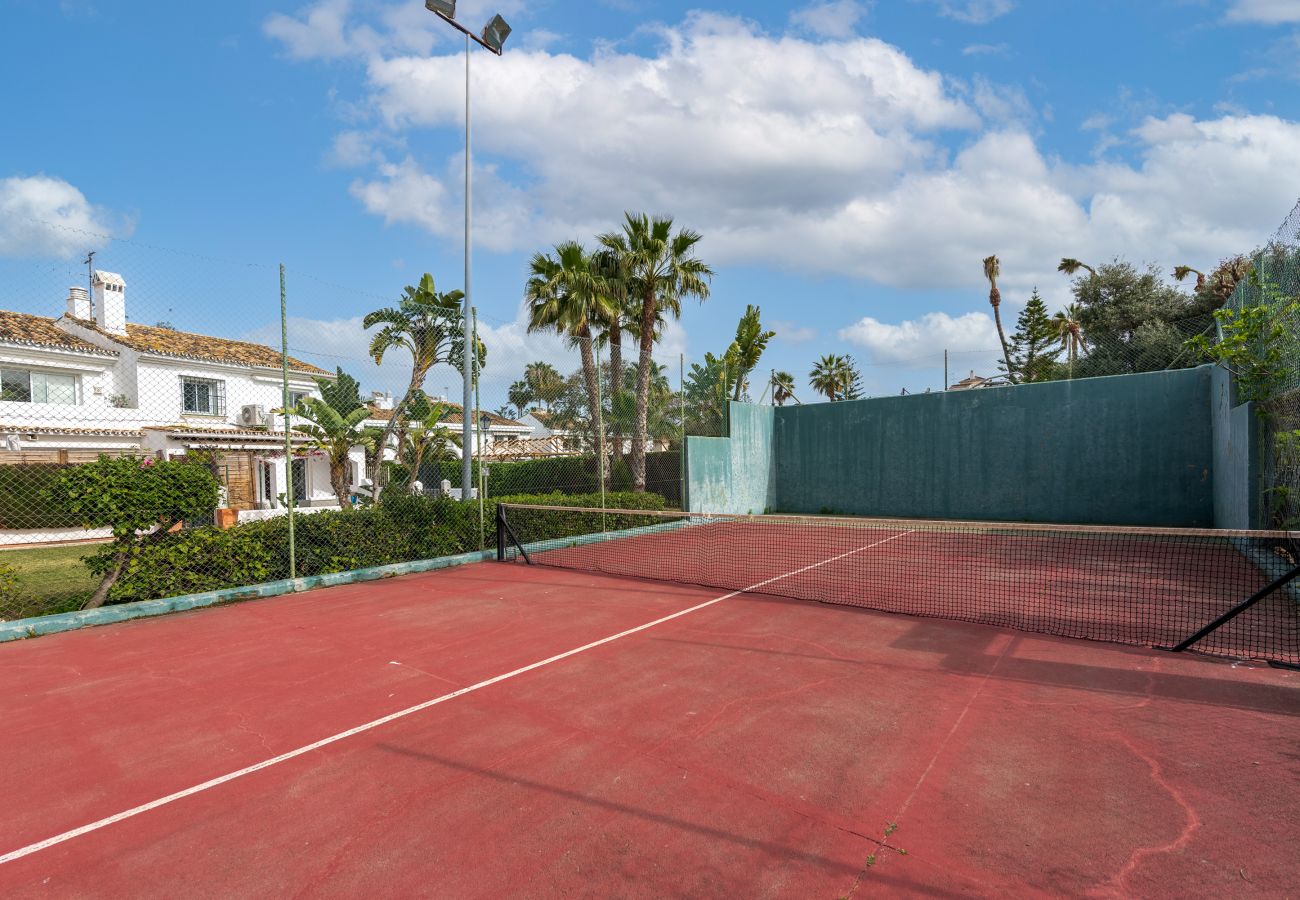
(25,501)
(564,474)
(401,529)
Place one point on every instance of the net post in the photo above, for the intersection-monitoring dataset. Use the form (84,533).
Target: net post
(1237,610)
(501,532)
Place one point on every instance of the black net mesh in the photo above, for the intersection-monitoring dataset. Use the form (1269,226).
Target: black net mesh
(1146,587)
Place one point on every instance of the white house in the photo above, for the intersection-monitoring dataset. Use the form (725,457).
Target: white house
(88,383)
(496,429)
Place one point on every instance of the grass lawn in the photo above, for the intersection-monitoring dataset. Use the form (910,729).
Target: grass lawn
(50,580)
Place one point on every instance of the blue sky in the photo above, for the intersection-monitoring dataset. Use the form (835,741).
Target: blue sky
(849,163)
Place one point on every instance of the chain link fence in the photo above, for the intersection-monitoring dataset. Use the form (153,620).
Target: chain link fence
(1273,289)
(167,431)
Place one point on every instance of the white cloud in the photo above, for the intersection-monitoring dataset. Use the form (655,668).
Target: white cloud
(984,50)
(45,216)
(791,332)
(1265,12)
(823,156)
(920,343)
(830,18)
(335,29)
(975,12)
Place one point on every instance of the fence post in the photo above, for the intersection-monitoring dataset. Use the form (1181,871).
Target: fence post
(288,444)
(600,437)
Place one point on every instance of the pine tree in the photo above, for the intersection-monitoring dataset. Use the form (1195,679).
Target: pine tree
(1035,345)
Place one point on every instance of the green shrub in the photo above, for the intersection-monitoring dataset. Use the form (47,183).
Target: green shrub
(10,592)
(25,497)
(400,529)
(563,474)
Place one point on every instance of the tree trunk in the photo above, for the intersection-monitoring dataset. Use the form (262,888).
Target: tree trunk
(643,390)
(995,300)
(589,375)
(616,376)
(100,596)
(417,379)
(416,461)
(339,481)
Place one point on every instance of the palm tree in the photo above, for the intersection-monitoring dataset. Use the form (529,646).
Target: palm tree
(333,422)
(428,325)
(1070,266)
(544,382)
(1066,325)
(747,349)
(1181,272)
(783,388)
(657,268)
(425,433)
(833,376)
(521,397)
(566,294)
(992,269)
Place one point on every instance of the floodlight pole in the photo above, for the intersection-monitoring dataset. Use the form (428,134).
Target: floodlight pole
(470,351)
(469,344)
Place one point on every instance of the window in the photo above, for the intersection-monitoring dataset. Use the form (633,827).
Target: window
(203,397)
(298,470)
(24,386)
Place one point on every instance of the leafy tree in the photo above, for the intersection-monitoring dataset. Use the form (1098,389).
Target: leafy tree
(427,324)
(1134,321)
(657,268)
(334,423)
(706,390)
(836,377)
(140,500)
(992,270)
(783,388)
(746,350)
(1033,345)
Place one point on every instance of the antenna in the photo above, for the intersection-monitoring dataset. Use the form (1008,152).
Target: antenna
(90,281)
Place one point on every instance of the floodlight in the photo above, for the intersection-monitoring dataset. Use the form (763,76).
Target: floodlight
(445,8)
(495,34)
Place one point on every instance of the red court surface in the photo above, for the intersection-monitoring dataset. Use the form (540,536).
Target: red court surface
(754,746)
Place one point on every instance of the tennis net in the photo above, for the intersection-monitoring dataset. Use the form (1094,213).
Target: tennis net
(1228,593)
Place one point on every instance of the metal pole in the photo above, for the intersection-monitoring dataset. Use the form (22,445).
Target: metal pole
(470,350)
(478,439)
(599,421)
(945,369)
(288,444)
(681,454)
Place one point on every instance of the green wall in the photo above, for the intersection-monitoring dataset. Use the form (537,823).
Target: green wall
(733,474)
(1125,450)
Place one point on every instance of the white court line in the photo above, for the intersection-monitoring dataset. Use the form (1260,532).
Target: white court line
(400,714)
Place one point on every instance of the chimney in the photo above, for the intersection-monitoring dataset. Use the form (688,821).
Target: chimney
(110,302)
(381,399)
(79,303)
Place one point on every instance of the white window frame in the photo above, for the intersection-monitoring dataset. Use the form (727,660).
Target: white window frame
(31,390)
(216,396)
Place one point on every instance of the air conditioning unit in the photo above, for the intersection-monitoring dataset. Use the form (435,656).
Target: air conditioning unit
(252,416)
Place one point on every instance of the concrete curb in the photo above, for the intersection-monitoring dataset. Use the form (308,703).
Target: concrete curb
(106,615)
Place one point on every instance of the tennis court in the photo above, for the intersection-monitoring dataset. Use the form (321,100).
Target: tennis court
(505,729)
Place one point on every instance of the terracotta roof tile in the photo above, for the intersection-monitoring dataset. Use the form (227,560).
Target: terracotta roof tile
(185,345)
(453,416)
(58,429)
(38,331)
